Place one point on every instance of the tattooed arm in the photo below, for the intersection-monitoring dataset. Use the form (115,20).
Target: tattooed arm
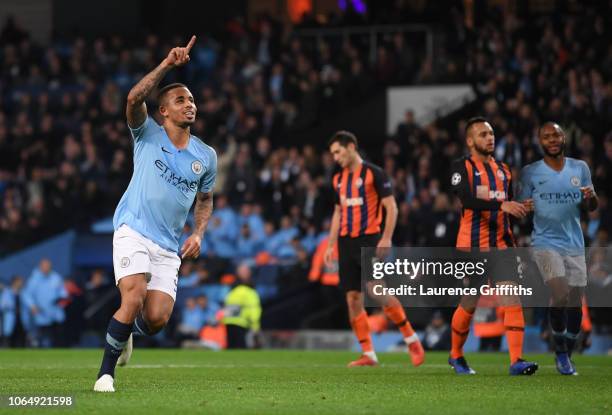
(201,214)
(136,110)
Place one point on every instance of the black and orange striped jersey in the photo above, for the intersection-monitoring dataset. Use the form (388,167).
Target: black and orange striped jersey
(359,193)
(482,187)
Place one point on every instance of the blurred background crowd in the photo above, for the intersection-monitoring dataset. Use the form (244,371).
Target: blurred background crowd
(65,151)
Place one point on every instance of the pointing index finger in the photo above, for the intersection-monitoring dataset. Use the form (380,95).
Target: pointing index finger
(191,43)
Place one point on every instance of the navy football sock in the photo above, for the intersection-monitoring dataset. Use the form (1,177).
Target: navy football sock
(558,325)
(141,327)
(116,338)
(574,321)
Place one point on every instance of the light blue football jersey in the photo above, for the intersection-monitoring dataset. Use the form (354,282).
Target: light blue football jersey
(557,198)
(164,184)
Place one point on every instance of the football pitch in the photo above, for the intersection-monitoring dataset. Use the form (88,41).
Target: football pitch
(297,382)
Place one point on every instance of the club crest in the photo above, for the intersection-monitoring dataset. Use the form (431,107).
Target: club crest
(196,167)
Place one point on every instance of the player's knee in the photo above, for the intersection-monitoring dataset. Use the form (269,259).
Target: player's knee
(132,287)
(574,297)
(354,300)
(156,320)
(469,302)
(133,298)
(132,303)
(559,299)
(353,296)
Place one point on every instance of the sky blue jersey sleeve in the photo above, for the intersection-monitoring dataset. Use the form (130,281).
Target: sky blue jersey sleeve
(586,175)
(207,182)
(141,131)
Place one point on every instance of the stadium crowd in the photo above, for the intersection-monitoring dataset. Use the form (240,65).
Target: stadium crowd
(65,152)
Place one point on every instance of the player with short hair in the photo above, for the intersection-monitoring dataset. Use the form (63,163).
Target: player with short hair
(484,186)
(556,187)
(172,168)
(362,190)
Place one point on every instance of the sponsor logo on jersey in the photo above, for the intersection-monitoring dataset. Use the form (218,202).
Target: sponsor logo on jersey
(170,177)
(497,194)
(483,192)
(501,174)
(351,201)
(561,197)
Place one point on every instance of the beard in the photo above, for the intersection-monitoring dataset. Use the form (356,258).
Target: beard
(185,124)
(483,150)
(558,153)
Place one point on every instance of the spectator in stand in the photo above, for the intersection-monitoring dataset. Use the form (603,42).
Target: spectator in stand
(247,245)
(193,319)
(42,293)
(187,275)
(15,314)
(242,310)
(222,231)
(437,334)
(97,292)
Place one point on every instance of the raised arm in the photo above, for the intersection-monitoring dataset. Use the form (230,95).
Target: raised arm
(136,109)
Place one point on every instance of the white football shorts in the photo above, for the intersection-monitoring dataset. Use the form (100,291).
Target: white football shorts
(135,254)
(554,265)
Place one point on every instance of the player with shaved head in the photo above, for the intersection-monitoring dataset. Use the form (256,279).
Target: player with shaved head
(557,187)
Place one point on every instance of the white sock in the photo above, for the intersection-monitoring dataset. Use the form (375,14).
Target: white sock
(411,339)
(371,355)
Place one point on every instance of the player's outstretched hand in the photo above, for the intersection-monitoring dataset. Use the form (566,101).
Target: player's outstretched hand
(191,247)
(180,56)
(518,210)
(528,203)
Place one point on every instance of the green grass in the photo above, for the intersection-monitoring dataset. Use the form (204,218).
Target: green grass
(292,382)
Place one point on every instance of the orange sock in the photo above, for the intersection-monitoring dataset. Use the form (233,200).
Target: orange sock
(461,329)
(397,315)
(361,328)
(587,325)
(515,331)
